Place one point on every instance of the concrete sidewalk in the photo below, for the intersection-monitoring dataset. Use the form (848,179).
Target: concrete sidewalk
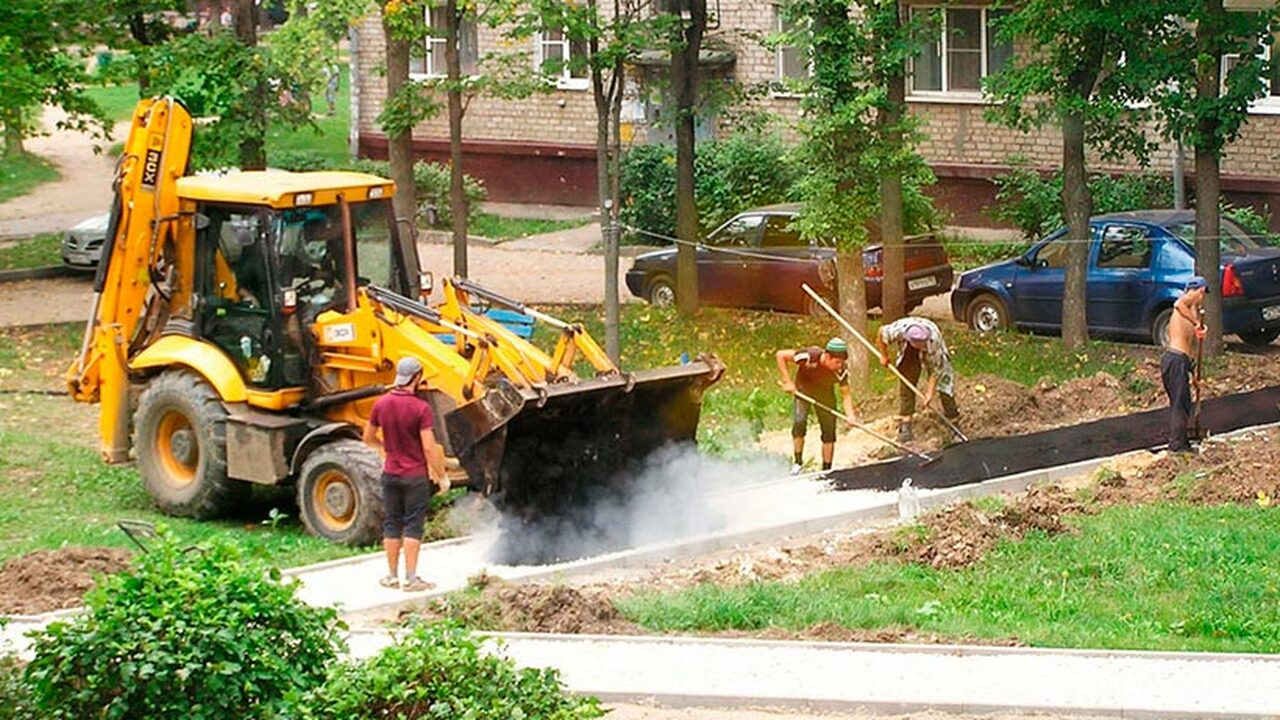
(705,672)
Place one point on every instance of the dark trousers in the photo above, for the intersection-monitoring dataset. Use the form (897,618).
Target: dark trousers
(405,499)
(800,418)
(909,366)
(1175,374)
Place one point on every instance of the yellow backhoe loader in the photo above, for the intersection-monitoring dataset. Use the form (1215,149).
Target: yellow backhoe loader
(244,323)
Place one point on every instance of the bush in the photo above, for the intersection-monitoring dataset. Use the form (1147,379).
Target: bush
(1032,201)
(440,671)
(205,635)
(15,693)
(730,175)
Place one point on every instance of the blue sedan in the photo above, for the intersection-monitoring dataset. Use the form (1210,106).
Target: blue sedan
(1138,264)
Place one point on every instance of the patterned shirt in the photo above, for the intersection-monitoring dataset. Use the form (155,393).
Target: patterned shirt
(933,357)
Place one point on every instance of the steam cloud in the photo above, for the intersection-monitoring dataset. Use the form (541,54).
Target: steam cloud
(672,495)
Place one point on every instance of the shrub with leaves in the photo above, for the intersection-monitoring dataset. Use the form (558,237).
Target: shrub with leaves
(1032,201)
(207,634)
(15,693)
(440,670)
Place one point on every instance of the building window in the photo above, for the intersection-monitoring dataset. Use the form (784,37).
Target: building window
(561,58)
(790,61)
(1269,103)
(963,50)
(428,60)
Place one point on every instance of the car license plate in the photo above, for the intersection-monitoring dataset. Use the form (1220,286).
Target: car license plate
(1271,313)
(78,258)
(923,282)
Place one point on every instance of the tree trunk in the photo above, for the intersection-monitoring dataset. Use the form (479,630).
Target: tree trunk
(851,285)
(457,194)
(1077,206)
(138,31)
(400,145)
(684,83)
(604,186)
(1209,187)
(253,151)
(12,119)
(893,288)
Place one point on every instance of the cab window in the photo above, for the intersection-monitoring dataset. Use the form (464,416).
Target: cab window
(780,232)
(1052,254)
(741,231)
(1124,247)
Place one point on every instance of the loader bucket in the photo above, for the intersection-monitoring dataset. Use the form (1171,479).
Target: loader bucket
(546,459)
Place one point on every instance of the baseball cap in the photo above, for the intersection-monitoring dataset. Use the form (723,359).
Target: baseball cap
(1197,282)
(406,370)
(837,346)
(917,333)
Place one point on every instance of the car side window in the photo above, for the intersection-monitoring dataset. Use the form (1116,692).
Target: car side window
(1052,254)
(780,232)
(741,231)
(1124,247)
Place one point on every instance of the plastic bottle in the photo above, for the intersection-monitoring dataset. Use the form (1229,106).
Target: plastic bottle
(908,501)
(246,346)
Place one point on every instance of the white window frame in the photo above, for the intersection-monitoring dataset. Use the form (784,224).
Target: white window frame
(1269,104)
(946,94)
(778,74)
(565,80)
(438,43)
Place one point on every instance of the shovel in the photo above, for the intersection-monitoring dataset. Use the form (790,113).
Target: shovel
(1195,379)
(876,352)
(866,429)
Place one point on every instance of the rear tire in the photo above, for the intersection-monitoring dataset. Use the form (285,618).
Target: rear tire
(661,291)
(340,493)
(1260,338)
(180,434)
(986,313)
(1160,328)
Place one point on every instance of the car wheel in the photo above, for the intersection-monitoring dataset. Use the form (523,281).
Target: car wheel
(987,314)
(661,292)
(813,309)
(1261,337)
(1160,327)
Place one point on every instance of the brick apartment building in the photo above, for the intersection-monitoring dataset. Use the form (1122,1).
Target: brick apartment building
(542,149)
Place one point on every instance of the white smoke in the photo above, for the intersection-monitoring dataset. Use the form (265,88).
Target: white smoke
(674,495)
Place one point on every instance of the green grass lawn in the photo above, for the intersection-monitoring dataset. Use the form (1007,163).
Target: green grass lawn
(21,173)
(497,227)
(39,251)
(118,101)
(748,400)
(1156,577)
(56,491)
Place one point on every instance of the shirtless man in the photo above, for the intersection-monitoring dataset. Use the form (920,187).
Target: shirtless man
(1176,366)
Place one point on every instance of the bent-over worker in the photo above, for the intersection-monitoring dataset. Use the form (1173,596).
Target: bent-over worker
(1176,365)
(411,455)
(920,346)
(818,372)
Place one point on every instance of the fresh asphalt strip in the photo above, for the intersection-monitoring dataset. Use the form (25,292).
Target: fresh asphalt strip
(979,460)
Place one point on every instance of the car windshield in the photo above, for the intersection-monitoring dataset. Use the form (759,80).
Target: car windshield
(1234,240)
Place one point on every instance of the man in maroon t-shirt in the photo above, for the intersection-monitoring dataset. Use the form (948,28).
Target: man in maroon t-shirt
(819,370)
(409,447)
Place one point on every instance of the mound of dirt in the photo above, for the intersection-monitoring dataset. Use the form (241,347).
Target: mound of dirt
(1101,395)
(1239,471)
(48,580)
(959,535)
(499,605)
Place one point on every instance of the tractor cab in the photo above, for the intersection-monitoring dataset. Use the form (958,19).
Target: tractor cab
(265,270)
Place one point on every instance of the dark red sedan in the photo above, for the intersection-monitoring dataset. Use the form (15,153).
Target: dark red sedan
(758,260)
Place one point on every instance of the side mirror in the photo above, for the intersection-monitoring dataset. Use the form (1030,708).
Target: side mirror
(202,221)
(426,283)
(1024,261)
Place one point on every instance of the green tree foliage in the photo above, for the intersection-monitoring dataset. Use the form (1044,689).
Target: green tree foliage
(44,65)
(440,671)
(1071,73)
(1032,201)
(208,635)
(731,175)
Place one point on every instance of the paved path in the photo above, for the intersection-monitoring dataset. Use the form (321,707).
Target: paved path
(897,678)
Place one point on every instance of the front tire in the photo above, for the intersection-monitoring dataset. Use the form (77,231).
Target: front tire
(340,493)
(180,434)
(1160,327)
(1260,338)
(987,314)
(661,291)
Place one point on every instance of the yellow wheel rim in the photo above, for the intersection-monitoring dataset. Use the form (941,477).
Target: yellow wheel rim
(334,498)
(177,449)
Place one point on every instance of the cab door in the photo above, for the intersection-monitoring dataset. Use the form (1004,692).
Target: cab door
(725,276)
(1120,278)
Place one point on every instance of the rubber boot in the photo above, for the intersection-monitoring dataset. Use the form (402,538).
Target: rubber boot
(904,431)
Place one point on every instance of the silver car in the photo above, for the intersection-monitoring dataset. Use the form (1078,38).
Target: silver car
(82,245)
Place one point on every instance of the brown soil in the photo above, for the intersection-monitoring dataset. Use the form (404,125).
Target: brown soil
(499,605)
(48,580)
(1241,470)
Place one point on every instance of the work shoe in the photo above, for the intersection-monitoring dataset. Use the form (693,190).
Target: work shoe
(390,581)
(796,468)
(417,585)
(904,432)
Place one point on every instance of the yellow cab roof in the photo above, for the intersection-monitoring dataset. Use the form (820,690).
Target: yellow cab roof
(278,188)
